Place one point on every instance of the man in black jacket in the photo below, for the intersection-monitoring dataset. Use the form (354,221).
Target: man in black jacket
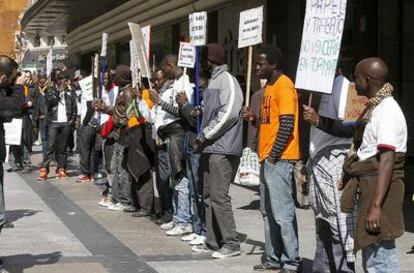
(61,116)
(11,103)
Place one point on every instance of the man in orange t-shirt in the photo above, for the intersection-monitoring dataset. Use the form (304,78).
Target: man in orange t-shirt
(278,150)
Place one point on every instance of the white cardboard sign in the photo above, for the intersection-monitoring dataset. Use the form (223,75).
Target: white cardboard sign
(134,63)
(13,132)
(198,28)
(321,44)
(146,33)
(251,27)
(49,62)
(86,85)
(104,47)
(142,56)
(186,55)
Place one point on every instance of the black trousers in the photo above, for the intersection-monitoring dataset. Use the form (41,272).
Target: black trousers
(218,172)
(58,133)
(87,149)
(143,192)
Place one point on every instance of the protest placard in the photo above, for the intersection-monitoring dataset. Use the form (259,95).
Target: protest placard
(104,47)
(13,132)
(251,27)
(321,43)
(198,28)
(49,62)
(186,55)
(355,104)
(134,63)
(142,56)
(146,33)
(86,85)
(250,34)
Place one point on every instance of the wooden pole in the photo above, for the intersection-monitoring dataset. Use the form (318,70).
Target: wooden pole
(310,99)
(249,75)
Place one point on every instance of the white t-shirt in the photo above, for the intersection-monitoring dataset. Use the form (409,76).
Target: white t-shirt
(61,113)
(331,106)
(109,97)
(387,128)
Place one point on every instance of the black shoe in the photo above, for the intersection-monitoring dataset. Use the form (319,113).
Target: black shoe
(288,271)
(165,218)
(14,169)
(141,213)
(266,267)
(130,210)
(27,170)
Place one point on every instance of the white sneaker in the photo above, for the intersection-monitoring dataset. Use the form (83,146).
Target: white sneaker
(167,226)
(189,238)
(105,202)
(200,240)
(116,207)
(180,230)
(201,249)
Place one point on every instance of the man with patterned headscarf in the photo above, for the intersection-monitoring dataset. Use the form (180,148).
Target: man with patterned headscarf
(375,169)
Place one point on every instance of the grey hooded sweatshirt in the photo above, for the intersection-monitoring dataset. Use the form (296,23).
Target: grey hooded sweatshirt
(222,124)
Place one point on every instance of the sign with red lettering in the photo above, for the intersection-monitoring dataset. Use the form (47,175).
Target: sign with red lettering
(186,55)
(321,44)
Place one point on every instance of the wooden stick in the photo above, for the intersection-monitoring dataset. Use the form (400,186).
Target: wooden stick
(249,75)
(310,99)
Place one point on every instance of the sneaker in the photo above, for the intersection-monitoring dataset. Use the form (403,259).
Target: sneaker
(225,253)
(266,267)
(98,176)
(105,202)
(180,230)
(27,170)
(167,226)
(200,240)
(201,249)
(43,174)
(83,179)
(116,207)
(62,174)
(190,237)
(130,209)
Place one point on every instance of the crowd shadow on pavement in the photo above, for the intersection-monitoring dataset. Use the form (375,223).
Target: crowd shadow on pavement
(14,215)
(21,262)
(254,205)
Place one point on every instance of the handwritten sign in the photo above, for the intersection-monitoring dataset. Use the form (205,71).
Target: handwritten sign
(134,63)
(104,47)
(251,27)
(198,28)
(355,104)
(86,85)
(13,132)
(49,62)
(186,56)
(142,56)
(146,33)
(321,43)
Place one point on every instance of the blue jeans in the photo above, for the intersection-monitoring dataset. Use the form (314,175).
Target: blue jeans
(181,202)
(121,185)
(196,192)
(278,209)
(381,258)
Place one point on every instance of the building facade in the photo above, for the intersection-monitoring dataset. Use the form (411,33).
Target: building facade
(10,40)
(372,28)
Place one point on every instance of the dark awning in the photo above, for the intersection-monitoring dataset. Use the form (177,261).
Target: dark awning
(51,16)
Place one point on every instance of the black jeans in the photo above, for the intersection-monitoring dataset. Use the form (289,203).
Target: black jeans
(87,149)
(58,133)
(43,136)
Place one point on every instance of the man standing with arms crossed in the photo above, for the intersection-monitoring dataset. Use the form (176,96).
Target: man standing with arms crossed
(12,101)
